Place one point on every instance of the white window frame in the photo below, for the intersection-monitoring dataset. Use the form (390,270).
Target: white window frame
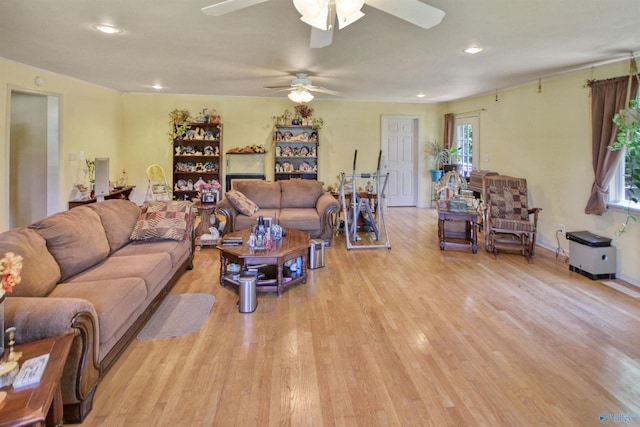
(472,120)
(617,194)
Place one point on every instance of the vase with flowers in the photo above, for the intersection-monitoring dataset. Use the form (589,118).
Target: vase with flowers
(11,269)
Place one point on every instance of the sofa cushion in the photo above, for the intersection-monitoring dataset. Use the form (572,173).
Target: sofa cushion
(177,250)
(152,268)
(163,220)
(114,300)
(118,217)
(75,238)
(300,193)
(40,271)
(241,203)
(243,221)
(265,194)
(303,219)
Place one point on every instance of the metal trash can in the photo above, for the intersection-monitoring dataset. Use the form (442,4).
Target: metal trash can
(316,253)
(247,290)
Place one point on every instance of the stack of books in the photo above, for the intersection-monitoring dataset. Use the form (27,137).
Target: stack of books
(231,241)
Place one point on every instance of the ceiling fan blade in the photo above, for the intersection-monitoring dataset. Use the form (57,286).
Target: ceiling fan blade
(320,38)
(412,11)
(229,6)
(288,89)
(323,90)
(278,87)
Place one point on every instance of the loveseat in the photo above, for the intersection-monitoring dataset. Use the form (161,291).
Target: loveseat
(98,272)
(299,204)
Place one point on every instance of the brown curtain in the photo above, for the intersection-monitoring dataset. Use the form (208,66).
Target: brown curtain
(448,130)
(607,98)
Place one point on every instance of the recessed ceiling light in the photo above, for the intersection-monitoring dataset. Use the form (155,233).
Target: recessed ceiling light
(421,95)
(157,87)
(107,29)
(473,49)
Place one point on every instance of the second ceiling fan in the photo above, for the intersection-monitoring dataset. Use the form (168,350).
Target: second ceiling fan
(322,14)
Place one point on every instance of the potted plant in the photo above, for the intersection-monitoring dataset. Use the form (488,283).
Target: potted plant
(452,159)
(628,122)
(439,154)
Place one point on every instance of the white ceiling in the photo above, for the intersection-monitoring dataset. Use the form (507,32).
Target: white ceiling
(379,57)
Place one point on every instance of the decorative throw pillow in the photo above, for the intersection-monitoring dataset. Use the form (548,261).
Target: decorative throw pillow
(163,221)
(241,203)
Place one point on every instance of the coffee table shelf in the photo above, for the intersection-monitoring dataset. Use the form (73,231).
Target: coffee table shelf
(294,245)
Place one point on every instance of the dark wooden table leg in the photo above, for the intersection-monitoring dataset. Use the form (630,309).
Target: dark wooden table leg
(54,416)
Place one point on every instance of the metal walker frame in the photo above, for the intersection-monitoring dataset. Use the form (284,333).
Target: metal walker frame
(374,221)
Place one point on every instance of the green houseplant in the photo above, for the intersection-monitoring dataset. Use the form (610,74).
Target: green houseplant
(453,158)
(439,154)
(628,122)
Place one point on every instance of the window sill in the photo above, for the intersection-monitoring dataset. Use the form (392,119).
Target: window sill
(624,207)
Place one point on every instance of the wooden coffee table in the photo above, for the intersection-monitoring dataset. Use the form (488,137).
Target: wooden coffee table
(295,244)
(42,402)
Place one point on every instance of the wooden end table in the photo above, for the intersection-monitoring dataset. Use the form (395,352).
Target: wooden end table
(206,210)
(38,404)
(295,244)
(470,235)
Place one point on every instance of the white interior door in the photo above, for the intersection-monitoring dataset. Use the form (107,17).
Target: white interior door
(399,147)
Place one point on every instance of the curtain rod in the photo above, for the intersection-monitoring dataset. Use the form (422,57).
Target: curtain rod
(469,112)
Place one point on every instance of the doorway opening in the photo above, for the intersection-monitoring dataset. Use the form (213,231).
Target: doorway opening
(34,156)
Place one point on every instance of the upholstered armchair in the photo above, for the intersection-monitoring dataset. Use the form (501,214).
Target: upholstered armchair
(509,223)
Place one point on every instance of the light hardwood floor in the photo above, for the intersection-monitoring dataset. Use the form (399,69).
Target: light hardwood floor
(411,336)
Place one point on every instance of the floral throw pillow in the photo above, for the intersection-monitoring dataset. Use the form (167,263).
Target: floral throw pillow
(163,221)
(239,201)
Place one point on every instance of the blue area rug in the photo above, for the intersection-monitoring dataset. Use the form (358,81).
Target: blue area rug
(178,315)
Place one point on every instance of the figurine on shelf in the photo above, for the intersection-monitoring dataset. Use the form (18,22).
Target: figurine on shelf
(178,150)
(313,152)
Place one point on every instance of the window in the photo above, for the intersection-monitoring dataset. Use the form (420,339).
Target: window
(621,184)
(467,139)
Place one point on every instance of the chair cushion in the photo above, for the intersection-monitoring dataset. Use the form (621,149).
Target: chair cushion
(242,204)
(509,202)
(163,220)
(75,238)
(513,225)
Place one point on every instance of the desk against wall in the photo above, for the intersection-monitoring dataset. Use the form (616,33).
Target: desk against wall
(122,193)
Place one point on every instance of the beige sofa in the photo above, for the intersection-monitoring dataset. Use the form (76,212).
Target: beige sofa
(83,274)
(299,204)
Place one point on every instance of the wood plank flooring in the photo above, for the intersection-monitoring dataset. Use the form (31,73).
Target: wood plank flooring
(411,336)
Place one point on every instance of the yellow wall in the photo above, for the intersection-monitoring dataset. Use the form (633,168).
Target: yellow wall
(546,138)
(247,121)
(91,121)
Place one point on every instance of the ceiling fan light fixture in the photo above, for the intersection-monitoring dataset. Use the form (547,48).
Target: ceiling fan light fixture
(300,96)
(320,13)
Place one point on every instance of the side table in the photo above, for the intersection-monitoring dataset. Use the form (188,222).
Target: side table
(41,403)
(206,210)
(470,235)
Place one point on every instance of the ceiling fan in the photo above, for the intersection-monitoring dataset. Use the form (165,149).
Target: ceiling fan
(322,14)
(300,89)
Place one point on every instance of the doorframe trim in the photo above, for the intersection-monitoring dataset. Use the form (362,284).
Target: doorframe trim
(11,89)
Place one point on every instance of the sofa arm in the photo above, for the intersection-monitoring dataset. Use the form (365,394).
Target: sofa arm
(226,208)
(38,318)
(327,206)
